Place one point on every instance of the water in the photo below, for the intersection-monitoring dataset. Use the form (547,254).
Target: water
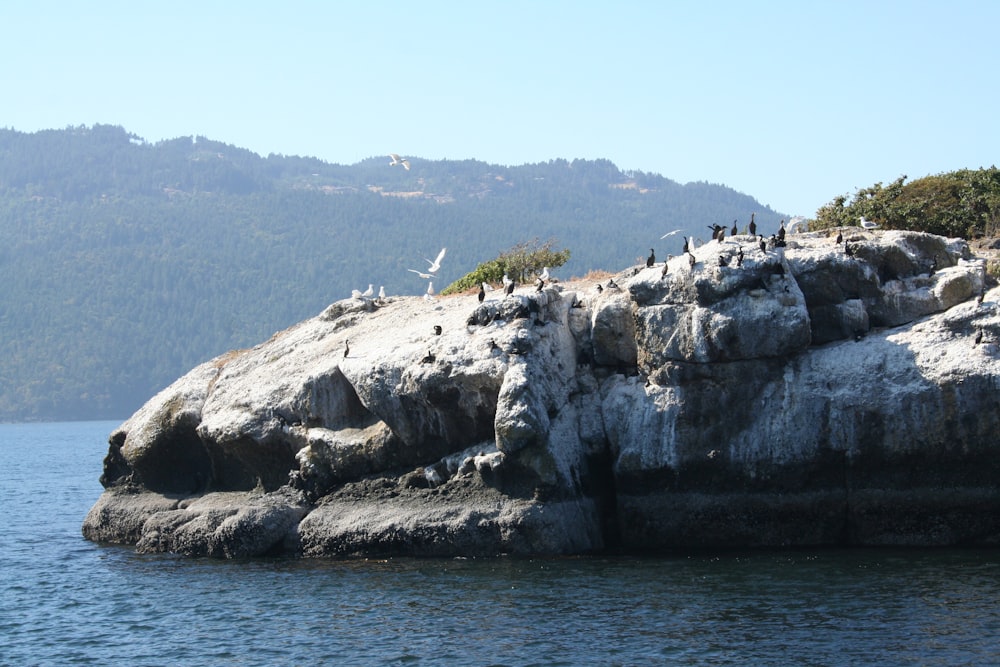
(66,601)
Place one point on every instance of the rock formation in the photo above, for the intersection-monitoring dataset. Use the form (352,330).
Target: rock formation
(801,395)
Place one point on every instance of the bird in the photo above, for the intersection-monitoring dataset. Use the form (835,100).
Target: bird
(437,329)
(982,295)
(794,223)
(686,246)
(425,276)
(736,229)
(666,267)
(676,231)
(599,288)
(539,285)
(691,260)
(482,293)
(487,287)
(723,260)
(436,264)
(715,230)
(753,225)
(868,224)
(545,273)
(781,231)
(370,292)
(763,245)
(721,236)
(381,292)
(849,250)
(347,348)
(506,282)
(396,160)
(429,295)
(739,257)
(429,359)
(651,259)
(840,238)
(612,284)
(510,288)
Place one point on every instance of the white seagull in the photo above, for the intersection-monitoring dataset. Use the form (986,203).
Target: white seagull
(381,292)
(429,295)
(399,160)
(425,276)
(370,292)
(868,224)
(676,231)
(436,264)
(545,273)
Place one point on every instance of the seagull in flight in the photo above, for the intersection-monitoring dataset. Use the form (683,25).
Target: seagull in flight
(399,160)
(436,264)
(676,231)
(425,276)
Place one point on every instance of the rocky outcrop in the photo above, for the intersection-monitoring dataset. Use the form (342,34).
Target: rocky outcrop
(798,395)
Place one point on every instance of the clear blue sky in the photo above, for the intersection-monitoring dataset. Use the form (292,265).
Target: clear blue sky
(790,102)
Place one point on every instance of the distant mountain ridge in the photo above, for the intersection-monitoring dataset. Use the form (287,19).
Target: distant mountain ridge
(128,262)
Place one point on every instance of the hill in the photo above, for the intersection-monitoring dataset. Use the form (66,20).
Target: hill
(126,263)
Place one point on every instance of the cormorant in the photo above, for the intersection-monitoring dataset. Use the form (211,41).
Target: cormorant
(691,260)
(840,238)
(428,359)
(347,348)
(510,288)
(666,267)
(723,260)
(541,284)
(739,257)
(736,230)
(721,236)
(651,259)
(781,231)
(599,288)
(753,226)
(437,329)
(482,293)
(612,284)
(763,244)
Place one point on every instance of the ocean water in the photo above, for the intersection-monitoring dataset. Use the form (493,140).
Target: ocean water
(66,601)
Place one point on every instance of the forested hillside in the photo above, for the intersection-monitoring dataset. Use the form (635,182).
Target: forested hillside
(125,263)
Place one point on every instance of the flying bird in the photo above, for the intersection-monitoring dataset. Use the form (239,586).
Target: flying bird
(425,276)
(435,266)
(676,231)
(396,160)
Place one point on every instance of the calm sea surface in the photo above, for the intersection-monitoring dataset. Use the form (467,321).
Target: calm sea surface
(66,601)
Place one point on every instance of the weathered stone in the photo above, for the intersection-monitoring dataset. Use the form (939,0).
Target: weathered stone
(792,396)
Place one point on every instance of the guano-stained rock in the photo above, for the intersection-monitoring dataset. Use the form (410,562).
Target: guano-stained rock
(797,395)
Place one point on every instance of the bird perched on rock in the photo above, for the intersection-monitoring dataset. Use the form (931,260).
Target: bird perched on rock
(723,260)
(721,236)
(347,348)
(539,285)
(437,329)
(544,275)
(739,257)
(381,293)
(736,230)
(429,359)
(715,230)
(599,288)
(396,160)
(763,245)
(691,260)
(482,293)
(666,267)
(840,238)
(429,294)
(612,284)
(781,231)
(753,225)
(867,224)
(370,292)
(651,259)
(510,288)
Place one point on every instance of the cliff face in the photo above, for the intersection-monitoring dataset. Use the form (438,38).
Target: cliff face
(793,396)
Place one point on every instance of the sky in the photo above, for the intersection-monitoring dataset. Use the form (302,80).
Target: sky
(792,103)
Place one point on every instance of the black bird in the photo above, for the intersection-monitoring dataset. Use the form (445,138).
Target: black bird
(482,292)
(541,284)
(666,267)
(739,257)
(691,260)
(577,304)
(715,229)
(651,259)
(763,245)
(736,230)
(437,329)
(612,284)
(781,231)
(723,260)
(493,345)
(982,295)
(753,226)
(510,288)
(840,238)
(685,249)
(429,359)
(599,288)
(849,250)
(347,348)
(721,236)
